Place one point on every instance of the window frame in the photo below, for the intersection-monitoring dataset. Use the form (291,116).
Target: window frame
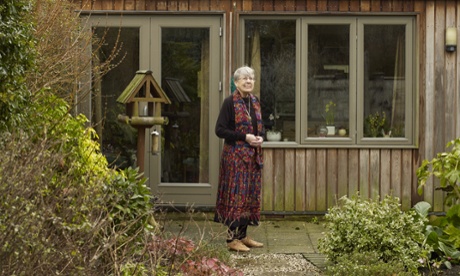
(356,137)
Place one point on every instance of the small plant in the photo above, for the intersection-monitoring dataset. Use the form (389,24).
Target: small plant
(371,227)
(273,118)
(376,122)
(330,113)
(446,167)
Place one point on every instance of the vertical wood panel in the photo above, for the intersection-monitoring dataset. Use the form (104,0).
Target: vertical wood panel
(290,5)
(311,5)
(321,5)
(183,6)
(289,180)
(342,172)
(96,5)
(354,6)
(457,97)
(331,177)
(107,5)
(451,91)
(321,184)
(333,5)
(312,191)
(278,6)
(171,6)
(118,4)
(194,5)
(300,180)
(257,5)
(353,171)
(365,5)
(439,100)
(374,173)
(375,5)
(204,5)
(385,172)
(267,181)
(140,5)
(278,164)
(398,6)
(364,173)
(300,5)
(407,179)
(386,5)
(430,94)
(130,5)
(396,173)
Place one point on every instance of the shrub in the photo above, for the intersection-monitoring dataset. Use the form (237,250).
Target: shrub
(371,227)
(446,167)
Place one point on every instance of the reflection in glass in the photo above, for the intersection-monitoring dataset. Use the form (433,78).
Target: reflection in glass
(270,49)
(185,75)
(118,140)
(328,80)
(384,81)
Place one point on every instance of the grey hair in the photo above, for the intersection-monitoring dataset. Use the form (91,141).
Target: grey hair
(244,71)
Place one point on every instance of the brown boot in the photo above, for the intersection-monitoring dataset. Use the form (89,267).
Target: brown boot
(251,243)
(237,245)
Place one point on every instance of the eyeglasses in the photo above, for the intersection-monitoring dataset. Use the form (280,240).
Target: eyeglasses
(248,79)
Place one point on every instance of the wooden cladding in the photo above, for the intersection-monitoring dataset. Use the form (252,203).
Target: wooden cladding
(246,5)
(306,180)
(311,179)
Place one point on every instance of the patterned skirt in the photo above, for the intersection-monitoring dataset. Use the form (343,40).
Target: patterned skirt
(239,190)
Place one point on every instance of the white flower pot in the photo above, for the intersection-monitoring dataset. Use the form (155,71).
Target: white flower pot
(330,130)
(273,136)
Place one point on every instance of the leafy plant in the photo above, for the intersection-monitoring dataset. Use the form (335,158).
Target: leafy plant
(446,167)
(442,234)
(357,225)
(365,264)
(330,113)
(376,122)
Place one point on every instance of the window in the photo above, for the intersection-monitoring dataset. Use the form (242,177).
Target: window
(355,78)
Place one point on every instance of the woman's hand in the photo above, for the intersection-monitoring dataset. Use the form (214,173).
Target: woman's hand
(254,141)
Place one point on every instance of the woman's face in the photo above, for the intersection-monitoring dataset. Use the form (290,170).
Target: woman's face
(245,84)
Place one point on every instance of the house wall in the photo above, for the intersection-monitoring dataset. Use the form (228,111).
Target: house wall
(309,180)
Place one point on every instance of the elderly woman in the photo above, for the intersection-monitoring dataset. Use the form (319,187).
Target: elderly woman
(240,125)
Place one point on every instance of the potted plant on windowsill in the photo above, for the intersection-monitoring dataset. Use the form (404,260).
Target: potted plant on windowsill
(329,116)
(273,134)
(376,122)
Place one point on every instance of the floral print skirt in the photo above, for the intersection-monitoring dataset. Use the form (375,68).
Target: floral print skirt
(239,190)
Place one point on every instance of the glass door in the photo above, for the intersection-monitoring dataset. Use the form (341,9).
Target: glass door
(186,54)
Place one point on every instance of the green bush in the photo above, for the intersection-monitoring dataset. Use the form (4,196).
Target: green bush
(365,264)
(17,54)
(376,227)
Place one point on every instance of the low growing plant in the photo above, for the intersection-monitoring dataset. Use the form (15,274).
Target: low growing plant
(442,234)
(378,228)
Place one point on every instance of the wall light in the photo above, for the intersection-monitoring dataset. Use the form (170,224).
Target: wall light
(451,39)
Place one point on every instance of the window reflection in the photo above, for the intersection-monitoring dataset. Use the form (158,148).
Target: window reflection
(328,80)
(118,140)
(384,81)
(270,49)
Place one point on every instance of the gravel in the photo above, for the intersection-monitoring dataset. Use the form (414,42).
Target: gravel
(273,264)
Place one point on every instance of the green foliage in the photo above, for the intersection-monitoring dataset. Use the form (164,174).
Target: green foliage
(16,58)
(330,113)
(442,234)
(375,122)
(365,264)
(130,202)
(363,226)
(446,167)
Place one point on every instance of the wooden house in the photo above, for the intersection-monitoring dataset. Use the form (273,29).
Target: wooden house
(383,64)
